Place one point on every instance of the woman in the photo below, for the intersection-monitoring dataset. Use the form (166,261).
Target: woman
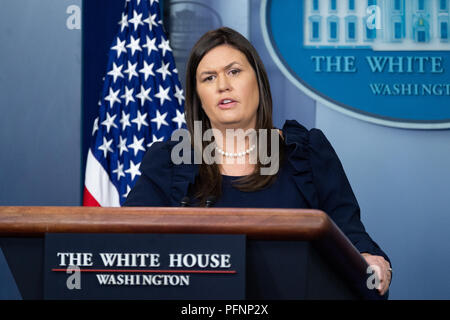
(227,88)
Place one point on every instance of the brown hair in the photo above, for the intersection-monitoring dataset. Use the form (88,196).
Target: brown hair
(209,180)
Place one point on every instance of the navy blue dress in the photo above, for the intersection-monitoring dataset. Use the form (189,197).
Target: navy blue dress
(312,177)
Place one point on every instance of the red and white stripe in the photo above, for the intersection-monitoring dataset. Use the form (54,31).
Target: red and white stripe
(98,188)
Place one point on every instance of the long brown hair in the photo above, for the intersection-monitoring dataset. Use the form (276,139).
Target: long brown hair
(209,180)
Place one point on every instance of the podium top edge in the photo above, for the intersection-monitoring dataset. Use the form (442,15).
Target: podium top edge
(255,222)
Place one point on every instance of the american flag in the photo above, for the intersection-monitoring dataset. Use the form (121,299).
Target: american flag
(142,102)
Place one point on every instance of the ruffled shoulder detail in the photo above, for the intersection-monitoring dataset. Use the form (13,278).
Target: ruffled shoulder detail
(298,151)
(172,179)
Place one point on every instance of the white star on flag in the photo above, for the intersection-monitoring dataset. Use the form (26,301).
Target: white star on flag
(119,170)
(160,119)
(136,20)
(164,70)
(155,140)
(179,119)
(140,120)
(164,46)
(95,128)
(125,195)
(116,72)
(122,145)
(151,21)
(123,22)
(134,45)
(133,170)
(163,94)
(112,97)
(150,45)
(119,47)
(179,95)
(125,120)
(106,146)
(147,70)
(131,70)
(109,122)
(128,95)
(137,145)
(143,95)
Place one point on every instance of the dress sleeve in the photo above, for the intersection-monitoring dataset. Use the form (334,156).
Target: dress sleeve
(151,188)
(335,195)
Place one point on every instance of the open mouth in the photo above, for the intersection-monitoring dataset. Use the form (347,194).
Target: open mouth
(226,103)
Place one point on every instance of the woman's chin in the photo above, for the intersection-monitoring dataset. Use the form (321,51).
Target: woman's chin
(237,124)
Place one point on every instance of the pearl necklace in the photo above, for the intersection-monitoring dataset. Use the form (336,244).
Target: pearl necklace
(235,155)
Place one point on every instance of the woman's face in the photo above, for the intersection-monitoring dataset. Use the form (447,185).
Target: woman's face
(228,89)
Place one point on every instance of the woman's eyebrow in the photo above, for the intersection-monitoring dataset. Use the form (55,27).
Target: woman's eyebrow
(228,66)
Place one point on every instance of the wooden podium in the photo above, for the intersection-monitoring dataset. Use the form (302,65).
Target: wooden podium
(291,254)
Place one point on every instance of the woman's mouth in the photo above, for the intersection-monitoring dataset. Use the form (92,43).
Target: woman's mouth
(227,103)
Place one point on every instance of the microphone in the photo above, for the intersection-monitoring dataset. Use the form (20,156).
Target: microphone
(210,201)
(185,201)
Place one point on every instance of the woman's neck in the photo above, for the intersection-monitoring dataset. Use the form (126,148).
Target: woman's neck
(234,140)
(236,149)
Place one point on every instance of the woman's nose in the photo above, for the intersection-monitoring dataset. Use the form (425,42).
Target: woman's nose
(223,83)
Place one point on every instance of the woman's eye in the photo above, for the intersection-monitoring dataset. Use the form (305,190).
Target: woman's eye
(234,71)
(210,78)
